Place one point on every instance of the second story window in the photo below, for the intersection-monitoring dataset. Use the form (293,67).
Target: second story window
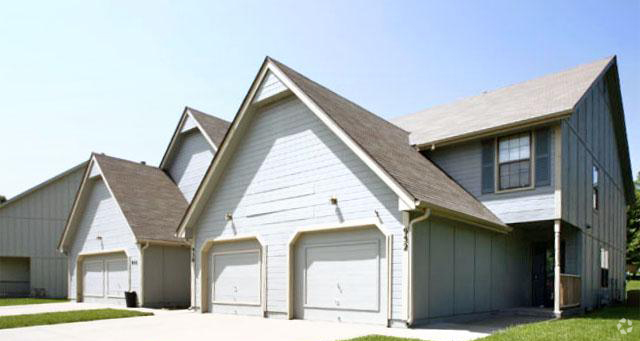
(514,161)
(595,182)
(604,268)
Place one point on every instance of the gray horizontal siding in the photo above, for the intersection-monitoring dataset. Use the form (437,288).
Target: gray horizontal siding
(281,178)
(463,162)
(189,161)
(101,217)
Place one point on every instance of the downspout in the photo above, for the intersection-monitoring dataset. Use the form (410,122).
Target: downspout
(408,245)
(142,273)
(193,277)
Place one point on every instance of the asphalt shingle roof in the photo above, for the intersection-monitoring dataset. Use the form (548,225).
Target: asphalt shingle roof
(389,146)
(150,201)
(532,100)
(213,126)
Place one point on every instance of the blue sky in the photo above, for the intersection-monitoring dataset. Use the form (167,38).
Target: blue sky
(114,76)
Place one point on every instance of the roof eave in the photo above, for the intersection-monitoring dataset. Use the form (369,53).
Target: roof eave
(550,118)
(465,218)
(162,242)
(42,184)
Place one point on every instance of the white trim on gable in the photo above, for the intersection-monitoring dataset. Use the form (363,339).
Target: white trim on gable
(93,172)
(269,87)
(406,201)
(74,207)
(202,131)
(187,123)
(404,196)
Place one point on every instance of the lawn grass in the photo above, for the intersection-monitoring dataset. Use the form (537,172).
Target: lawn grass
(22,301)
(17,321)
(597,326)
(633,285)
(380,338)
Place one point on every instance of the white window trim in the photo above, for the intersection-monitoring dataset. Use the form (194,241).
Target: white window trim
(532,163)
(595,198)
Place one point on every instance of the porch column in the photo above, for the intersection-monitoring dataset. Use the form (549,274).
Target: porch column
(556,267)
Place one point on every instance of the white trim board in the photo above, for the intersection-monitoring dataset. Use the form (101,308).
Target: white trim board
(186,115)
(240,123)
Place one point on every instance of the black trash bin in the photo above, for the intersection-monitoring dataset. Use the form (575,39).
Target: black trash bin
(132,299)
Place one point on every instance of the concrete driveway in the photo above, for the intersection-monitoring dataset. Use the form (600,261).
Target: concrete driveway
(185,325)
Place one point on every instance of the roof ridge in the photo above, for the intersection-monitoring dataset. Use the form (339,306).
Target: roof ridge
(383,120)
(123,160)
(388,147)
(200,112)
(488,92)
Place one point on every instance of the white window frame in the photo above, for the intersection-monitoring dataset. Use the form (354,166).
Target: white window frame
(604,266)
(531,163)
(595,187)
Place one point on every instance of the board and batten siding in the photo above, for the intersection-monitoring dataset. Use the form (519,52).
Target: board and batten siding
(588,140)
(463,162)
(460,269)
(281,179)
(189,161)
(166,276)
(31,227)
(101,217)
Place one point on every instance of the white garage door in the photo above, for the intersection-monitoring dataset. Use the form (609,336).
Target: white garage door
(105,279)
(235,278)
(341,276)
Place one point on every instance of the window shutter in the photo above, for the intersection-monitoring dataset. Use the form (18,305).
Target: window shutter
(488,174)
(543,157)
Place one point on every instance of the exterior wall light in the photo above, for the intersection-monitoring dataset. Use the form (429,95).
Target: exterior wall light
(333,200)
(228,217)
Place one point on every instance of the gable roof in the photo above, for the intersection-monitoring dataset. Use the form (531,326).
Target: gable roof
(150,202)
(554,96)
(389,146)
(612,81)
(212,128)
(382,146)
(551,96)
(42,184)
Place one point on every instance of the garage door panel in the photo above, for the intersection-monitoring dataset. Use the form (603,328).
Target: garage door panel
(117,277)
(105,278)
(236,277)
(93,278)
(343,276)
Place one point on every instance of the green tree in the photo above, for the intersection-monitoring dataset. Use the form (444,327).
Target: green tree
(633,228)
